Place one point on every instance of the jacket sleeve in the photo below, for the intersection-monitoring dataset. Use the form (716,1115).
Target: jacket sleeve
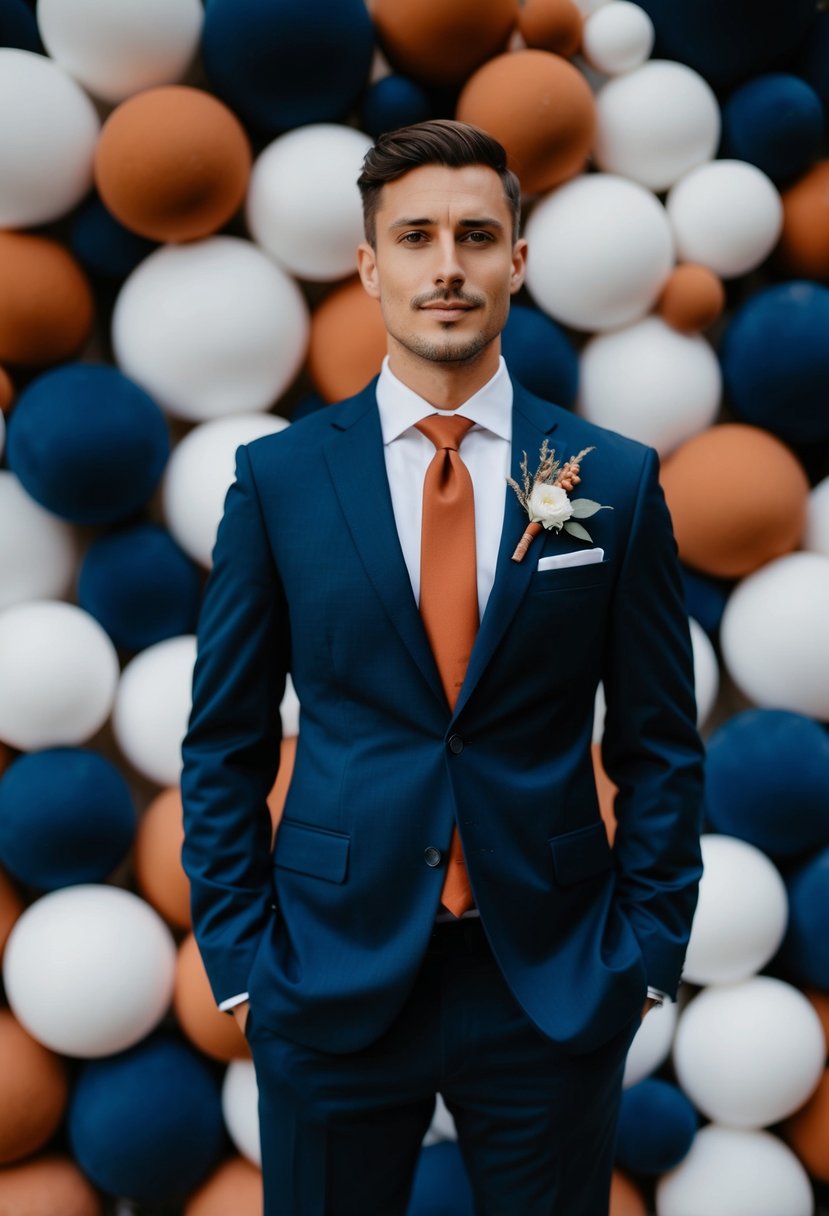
(651,749)
(231,751)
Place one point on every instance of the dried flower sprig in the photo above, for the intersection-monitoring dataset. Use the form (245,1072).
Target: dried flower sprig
(545,497)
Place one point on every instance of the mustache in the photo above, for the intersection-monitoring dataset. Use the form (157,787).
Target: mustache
(448,297)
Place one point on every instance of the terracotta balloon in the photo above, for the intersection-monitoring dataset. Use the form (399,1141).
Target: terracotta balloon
(11,905)
(46,306)
(738,498)
(6,757)
(172,163)
(806,1131)
(625,1198)
(276,798)
(440,42)
(540,108)
(212,1031)
(606,791)
(6,390)
(348,342)
(803,248)
(47,1186)
(157,859)
(820,1001)
(692,298)
(235,1187)
(551,25)
(33,1091)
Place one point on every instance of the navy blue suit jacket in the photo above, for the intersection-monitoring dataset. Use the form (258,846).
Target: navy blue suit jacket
(327,931)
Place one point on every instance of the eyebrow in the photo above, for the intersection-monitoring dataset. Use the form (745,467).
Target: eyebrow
(486,221)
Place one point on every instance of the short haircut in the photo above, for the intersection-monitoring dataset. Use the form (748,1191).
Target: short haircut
(439,142)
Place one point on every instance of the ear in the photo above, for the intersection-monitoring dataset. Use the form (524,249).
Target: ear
(367,268)
(519,266)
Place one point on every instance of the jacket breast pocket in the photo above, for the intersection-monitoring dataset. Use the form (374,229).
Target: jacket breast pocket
(581,854)
(568,578)
(312,851)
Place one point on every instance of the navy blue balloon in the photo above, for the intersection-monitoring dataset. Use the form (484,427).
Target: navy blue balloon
(140,586)
(441,1184)
(804,954)
(728,42)
(774,122)
(775,361)
(812,62)
(147,1124)
(540,356)
(394,101)
(657,1124)
(66,816)
(87,443)
(705,599)
(18,27)
(103,245)
(284,63)
(767,781)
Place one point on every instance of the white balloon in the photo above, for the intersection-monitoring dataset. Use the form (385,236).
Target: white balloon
(303,203)
(655,123)
(651,1044)
(442,1127)
(774,634)
(210,328)
(199,473)
(651,383)
(706,671)
(116,49)
(586,7)
(816,536)
(37,550)
(48,133)
(751,1053)
(240,1107)
(289,710)
(89,970)
(152,707)
(741,914)
(2,432)
(601,251)
(726,215)
(617,37)
(58,675)
(729,1172)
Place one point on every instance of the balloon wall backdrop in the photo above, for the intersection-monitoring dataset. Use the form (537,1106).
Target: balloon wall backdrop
(178,220)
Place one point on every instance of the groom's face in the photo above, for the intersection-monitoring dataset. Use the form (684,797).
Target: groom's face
(444,263)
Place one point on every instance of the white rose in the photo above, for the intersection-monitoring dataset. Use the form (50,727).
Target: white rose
(549,506)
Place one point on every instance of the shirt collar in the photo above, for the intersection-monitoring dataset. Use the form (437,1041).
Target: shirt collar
(400,407)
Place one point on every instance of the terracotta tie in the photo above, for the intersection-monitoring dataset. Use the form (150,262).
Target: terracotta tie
(449,590)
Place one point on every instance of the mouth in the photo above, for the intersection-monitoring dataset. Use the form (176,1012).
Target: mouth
(447,310)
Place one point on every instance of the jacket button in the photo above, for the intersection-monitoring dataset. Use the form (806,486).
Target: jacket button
(432,856)
(455,745)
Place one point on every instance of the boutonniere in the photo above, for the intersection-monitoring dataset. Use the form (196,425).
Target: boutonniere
(546,498)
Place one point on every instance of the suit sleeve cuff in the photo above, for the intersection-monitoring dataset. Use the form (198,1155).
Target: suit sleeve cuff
(232,1001)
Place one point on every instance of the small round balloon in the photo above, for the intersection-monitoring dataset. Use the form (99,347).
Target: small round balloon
(46,305)
(692,299)
(617,37)
(240,1106)
(803,249)
(348,342)
(551,25)
(152,706)
(391,102)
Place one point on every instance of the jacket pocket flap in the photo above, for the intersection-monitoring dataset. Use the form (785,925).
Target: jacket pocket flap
(313,851)
(581,854)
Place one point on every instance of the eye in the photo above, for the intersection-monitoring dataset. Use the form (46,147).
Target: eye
(478,237)
(413,238)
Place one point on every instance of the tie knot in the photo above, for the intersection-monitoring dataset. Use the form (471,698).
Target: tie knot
(444,430)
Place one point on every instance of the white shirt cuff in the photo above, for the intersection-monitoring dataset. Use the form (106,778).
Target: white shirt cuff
(655,995)
(232,1001)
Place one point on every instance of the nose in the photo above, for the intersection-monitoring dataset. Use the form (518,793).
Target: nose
(448,271)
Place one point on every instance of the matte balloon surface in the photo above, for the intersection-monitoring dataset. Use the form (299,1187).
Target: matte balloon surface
(804,244)
(48,1186)
(692,299)
(33,1092)
(441,42)
(209,1029)
(46,305)
(240,1098)
(152,706)
(775,122)
(617,37)
(235,1186)
(157,859)
(37,551)
(348,342)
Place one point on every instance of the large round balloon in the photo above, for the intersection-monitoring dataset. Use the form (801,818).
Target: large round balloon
(66,816)
(117,50)
(48,132)
(740,918)
(775,122)
(775,635)
(348,342)
(240,1106)
(48,1186)
(282,63)
(551,25)
(657,1124)
(651,1045)
(107,447)
(157,859)
(172,164)
(655,123)
(152,706)
(749,1054)
(210,328)
(736,525)
(33,1092)
(540,355)
(199,474)
(58,675)
(207,1027)
(89,970)
(601,251)
(706,671)
(37,551)
(441,42)
(805,953)
(650,382)
(540,108)
(236,1186)
(766,776)
(391,102)
(147,1124)
(803,249)
(46,306)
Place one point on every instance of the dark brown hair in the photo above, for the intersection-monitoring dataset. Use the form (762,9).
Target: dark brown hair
(440,142)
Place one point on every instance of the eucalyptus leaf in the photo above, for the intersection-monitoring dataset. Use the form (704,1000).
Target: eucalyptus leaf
(583,508)
(578,530)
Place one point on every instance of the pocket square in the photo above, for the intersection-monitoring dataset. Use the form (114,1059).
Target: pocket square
(582,557)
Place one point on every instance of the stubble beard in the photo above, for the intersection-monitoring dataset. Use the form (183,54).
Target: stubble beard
(435,351)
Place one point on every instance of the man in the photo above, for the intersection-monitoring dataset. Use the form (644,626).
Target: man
(442,910)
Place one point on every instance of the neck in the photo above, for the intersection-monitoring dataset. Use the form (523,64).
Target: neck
(444,385)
